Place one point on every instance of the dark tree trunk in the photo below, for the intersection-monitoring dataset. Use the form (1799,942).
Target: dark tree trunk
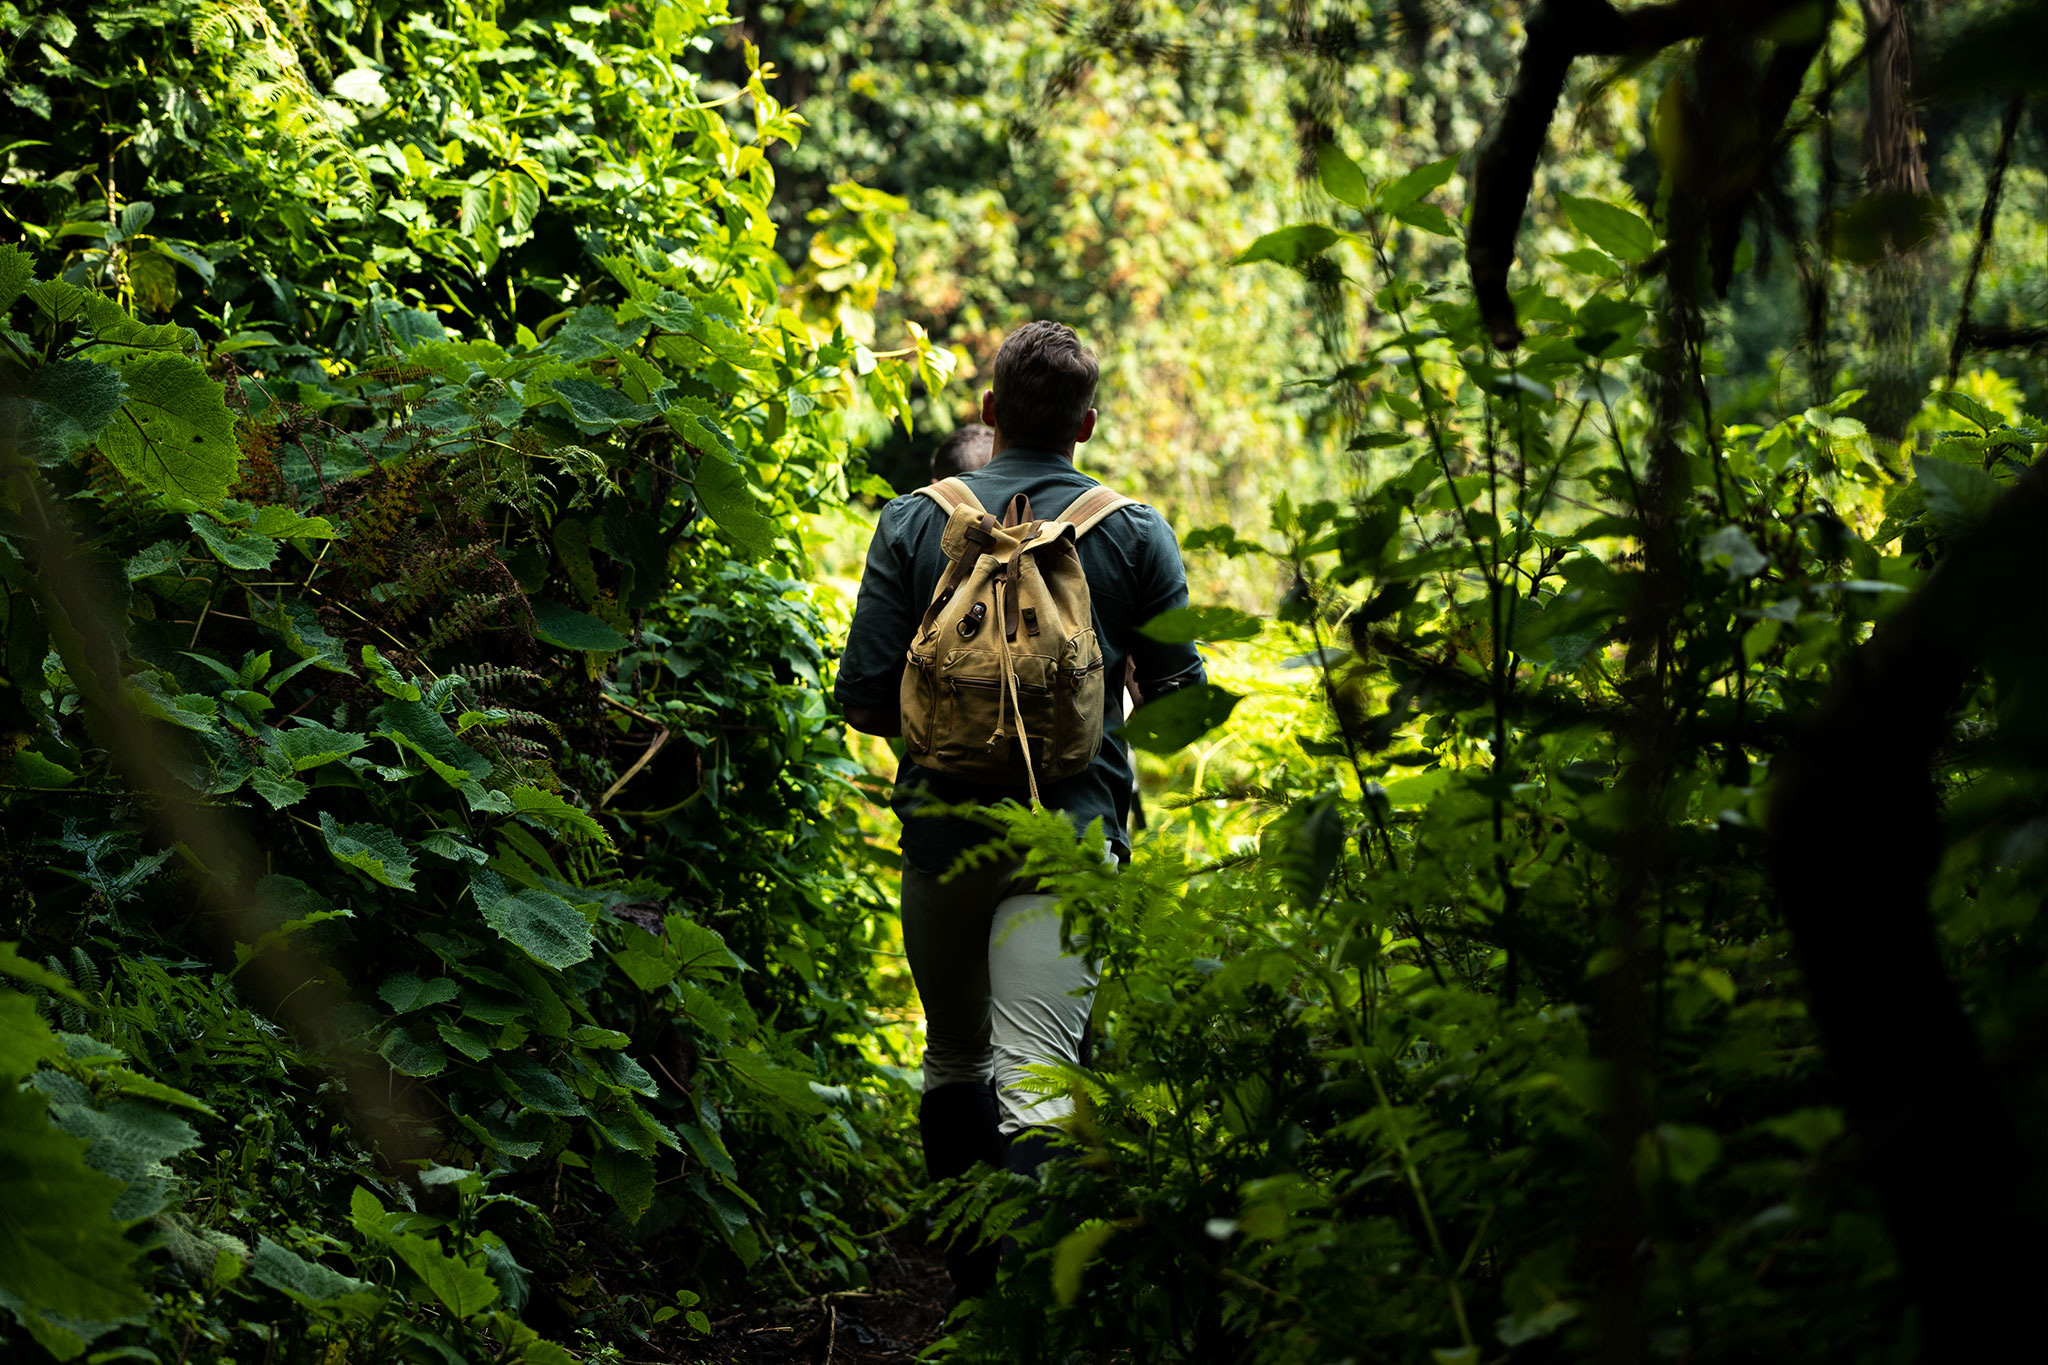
(1856,835)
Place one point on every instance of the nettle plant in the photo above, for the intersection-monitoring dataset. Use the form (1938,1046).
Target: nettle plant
(414,628)
(1484,987)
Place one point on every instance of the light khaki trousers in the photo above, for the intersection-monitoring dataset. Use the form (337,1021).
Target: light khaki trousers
(1001,991)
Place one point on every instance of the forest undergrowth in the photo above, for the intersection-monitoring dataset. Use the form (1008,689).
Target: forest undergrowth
(1592,912)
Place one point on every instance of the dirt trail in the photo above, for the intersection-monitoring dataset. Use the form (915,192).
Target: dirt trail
(891,1321)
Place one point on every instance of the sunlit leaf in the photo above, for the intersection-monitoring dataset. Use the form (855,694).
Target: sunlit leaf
(1179,718)
(1621,233)
(1290,245)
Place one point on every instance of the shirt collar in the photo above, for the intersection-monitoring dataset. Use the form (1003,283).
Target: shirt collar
(1034,455)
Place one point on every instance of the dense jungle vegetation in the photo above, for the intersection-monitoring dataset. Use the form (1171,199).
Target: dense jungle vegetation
(1595,910)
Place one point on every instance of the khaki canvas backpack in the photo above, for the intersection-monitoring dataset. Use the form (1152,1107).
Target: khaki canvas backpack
(1005,676)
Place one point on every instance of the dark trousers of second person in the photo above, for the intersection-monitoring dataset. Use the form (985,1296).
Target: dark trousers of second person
(1002,993)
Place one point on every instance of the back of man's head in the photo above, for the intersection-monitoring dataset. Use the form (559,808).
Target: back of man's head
(1044,384)
(966,450)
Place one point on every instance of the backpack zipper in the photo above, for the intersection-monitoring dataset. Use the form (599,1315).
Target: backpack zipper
(1030,689)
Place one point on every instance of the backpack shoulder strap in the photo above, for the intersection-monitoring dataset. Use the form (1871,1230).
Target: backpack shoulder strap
(1089,510)
(950,494)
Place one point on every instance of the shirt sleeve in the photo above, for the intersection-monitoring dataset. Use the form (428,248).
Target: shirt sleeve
(1162,586)
(871,668)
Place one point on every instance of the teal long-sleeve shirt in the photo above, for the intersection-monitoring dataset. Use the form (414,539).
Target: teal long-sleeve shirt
(1134,573)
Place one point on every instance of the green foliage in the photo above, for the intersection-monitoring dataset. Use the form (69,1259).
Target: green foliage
(1427,951)
(444,420)
(448,513)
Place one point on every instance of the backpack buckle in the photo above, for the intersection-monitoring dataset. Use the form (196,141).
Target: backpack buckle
(971,622)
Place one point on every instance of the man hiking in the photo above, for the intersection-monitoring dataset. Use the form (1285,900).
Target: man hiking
(974,625)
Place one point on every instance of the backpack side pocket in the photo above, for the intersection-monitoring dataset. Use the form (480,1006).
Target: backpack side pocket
(1077,705)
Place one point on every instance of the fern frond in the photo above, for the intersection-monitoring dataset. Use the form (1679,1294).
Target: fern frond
(269,81)
(465,618)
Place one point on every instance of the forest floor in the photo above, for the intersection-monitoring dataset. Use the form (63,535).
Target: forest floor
(893,1320)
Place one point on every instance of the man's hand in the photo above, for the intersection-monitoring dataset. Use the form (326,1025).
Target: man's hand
(874,721)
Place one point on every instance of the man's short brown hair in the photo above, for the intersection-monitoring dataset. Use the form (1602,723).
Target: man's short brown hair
(1044,384)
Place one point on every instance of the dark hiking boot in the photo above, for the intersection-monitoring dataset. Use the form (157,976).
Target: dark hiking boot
(958,1126)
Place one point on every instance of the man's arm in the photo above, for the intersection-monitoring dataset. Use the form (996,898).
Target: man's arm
(870,678)
(1158,669)
(886,722)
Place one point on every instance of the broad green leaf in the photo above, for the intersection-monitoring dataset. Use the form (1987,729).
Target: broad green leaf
(463,1285)
(1811,1129)
(1185,625)
(1587,261)
(696,947)
(537,1087)
(463,1041)
(728,498)
(596,409)
(306,1281)
(1689,1151)
(234,546)
(174,434)
(1970,408)
(1958,495)
(31,769)
(551,810)
(1378,440)
(628,1178)
(63,1253)
(641,958)
(1606,327)
(282,523)
(153,279)
(413,1052)
(130,1142)
(1071,1257)
(311,744)
(277,789)
(1429,218)
(1290,245)
(443,844)
(162,557)
(98,317)
(1222,539)
(25,1040)
(420,729)
(1733,550)
(540,923)
(60,408)
(19,968)
(1621,233)
(1341,177)
(363,85)
(406,992)
(17,268)
(299,627)
(1179,718)
(389,680)
(371,849)
(567,628)
(1417,790)
(1410,188)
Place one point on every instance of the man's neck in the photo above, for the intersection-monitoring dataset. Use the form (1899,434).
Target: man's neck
(1002,445)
